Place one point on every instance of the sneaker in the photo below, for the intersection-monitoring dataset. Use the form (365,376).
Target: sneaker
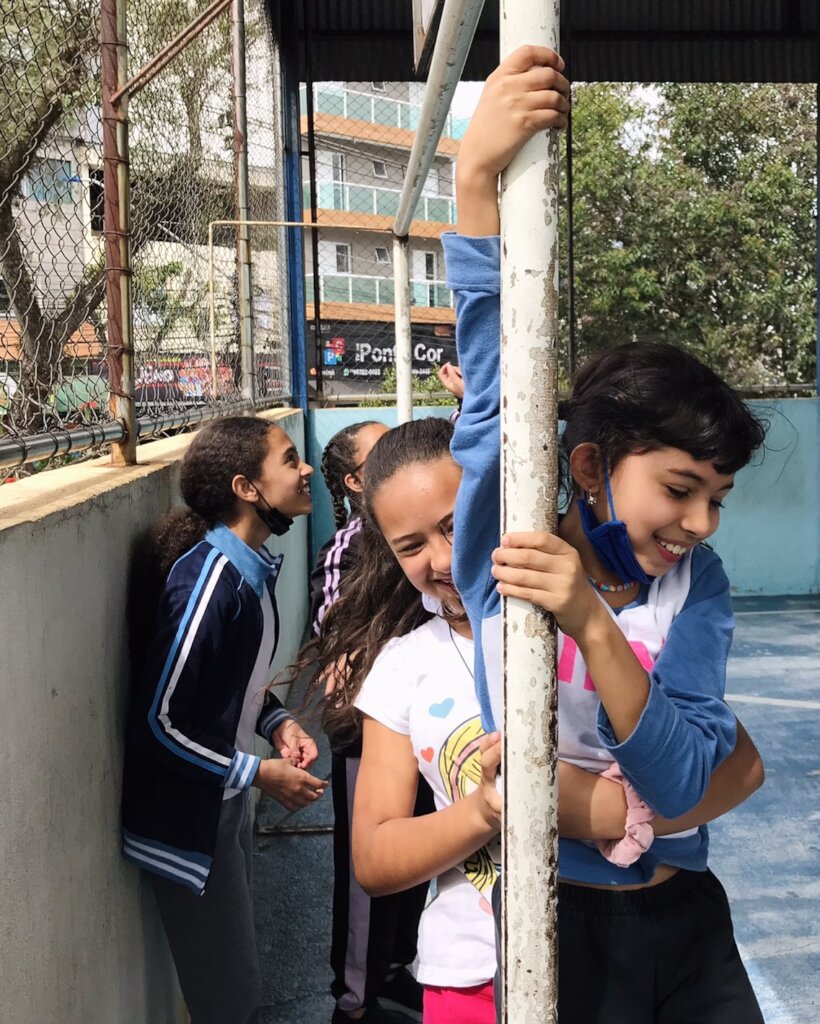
(402,992)
(374,1014)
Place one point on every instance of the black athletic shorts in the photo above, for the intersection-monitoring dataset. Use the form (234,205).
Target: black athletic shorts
(662,955)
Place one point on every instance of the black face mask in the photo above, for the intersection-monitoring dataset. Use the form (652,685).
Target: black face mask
(275,521)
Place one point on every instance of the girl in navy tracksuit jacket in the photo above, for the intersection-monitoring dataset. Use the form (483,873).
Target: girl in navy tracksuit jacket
(652,442)
(201,695)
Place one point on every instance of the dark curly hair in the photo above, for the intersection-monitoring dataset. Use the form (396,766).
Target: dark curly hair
(378,602)
(640,397)
(220,450)
(339,459)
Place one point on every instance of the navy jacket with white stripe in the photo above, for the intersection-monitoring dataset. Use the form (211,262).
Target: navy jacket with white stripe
(180,745)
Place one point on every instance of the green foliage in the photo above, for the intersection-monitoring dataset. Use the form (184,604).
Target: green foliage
(425,386)
(694,223)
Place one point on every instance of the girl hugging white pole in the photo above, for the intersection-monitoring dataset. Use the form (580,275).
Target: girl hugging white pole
(529,315)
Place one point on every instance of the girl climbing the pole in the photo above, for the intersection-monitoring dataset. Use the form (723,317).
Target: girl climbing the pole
(201,694)
(410,674)
(652,442)
(373,940)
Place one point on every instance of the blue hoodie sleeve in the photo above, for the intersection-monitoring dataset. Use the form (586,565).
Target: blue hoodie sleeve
(473,273)
(686,729)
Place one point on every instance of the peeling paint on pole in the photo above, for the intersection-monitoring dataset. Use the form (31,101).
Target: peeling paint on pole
(529,317)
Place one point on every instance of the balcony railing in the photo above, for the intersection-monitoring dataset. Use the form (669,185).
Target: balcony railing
(383,202)
(380,110)
(377,291)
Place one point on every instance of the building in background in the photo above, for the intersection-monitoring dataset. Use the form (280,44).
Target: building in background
(363,134)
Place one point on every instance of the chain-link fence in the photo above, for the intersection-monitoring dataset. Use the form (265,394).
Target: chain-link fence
(207,318)
(358,147)
(52,308)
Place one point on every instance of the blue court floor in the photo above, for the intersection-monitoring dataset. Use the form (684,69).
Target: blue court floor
(767,852)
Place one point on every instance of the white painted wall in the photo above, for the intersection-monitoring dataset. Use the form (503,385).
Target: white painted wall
(80,941)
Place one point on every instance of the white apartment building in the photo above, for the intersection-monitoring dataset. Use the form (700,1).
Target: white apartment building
(363,135)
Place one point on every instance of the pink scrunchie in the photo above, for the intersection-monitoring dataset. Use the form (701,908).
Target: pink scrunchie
(639,832)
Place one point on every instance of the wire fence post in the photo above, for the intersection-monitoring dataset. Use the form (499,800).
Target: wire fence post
(529,364)
(243,237)
(403,353)
(117,229)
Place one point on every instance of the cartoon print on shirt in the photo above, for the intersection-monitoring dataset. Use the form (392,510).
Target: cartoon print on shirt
(459,764)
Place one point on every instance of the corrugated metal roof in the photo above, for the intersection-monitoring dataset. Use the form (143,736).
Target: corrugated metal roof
(607,40)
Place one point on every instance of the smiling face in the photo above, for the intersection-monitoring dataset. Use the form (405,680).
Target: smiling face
(669,501)
(284,479)
(414,511)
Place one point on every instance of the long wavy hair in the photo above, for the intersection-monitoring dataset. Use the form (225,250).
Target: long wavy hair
(378,602)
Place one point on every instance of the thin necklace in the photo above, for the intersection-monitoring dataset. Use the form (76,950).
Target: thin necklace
(458,652)
(611,588)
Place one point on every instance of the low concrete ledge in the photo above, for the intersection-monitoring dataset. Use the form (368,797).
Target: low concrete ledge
(59,489)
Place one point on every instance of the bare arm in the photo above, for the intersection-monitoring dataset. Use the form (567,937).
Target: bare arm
(524,95)
(392,850)
(593,808)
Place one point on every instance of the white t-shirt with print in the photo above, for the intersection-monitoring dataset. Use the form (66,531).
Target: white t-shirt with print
(421,686)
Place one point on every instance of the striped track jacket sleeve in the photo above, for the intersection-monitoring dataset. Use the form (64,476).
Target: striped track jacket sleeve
(186,671)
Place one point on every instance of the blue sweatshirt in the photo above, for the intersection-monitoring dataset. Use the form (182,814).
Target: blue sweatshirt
(686,730)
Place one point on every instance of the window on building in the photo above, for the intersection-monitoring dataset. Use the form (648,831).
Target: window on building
(379,169)
(382,254)
(379,87)
(432,184)
(96,200)
(430,276)
(338,166)
(342,258)
(49,181)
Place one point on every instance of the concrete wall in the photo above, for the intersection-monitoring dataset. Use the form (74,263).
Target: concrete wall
(80,941)
(769,538)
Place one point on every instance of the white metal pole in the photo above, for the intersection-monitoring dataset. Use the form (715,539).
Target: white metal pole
(403,350)
(459,19)
(529,307)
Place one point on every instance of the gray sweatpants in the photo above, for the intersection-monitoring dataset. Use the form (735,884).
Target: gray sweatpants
(212,936)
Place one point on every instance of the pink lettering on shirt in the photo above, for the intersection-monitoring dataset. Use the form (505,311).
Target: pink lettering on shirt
(569,653)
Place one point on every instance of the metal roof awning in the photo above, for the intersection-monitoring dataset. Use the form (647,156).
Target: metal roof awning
(616,40)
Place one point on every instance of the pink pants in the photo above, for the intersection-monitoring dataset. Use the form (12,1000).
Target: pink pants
(459,1005)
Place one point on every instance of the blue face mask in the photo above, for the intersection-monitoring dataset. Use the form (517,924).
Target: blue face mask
(611,542)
